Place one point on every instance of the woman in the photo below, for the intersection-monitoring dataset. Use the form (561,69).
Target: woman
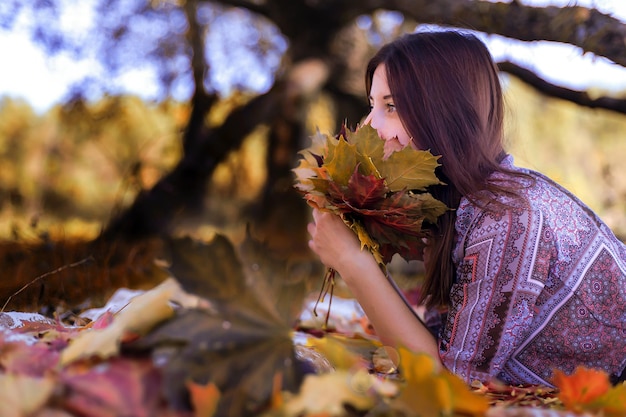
(532,279)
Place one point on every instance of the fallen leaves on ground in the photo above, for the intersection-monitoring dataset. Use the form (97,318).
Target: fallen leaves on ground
(21,395)
(138,317)
(589,390)
(429,391)
(217,339)
(502,395)
(329,394)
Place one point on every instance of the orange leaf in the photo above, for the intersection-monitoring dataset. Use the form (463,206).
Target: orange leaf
(581,388)
(611,404)
(204,398)
(277,400)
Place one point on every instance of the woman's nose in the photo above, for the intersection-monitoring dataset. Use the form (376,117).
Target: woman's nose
(373,122)
(368,119)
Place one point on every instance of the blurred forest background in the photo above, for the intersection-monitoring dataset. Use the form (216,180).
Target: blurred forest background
(107,167)
(70,170)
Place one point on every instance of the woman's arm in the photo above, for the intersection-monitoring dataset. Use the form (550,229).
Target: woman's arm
(394,321)
(503,267)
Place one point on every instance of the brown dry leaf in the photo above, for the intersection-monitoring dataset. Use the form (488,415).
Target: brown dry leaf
(22,395)
(138,317)
(501,395)
(245,339)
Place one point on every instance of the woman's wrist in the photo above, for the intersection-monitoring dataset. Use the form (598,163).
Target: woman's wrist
(356,265)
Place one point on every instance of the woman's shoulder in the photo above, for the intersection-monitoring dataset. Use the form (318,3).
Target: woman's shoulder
(531,194)
(532,191)
(543,202)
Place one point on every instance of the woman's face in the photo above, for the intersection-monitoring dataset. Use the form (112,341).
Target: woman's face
(383,115)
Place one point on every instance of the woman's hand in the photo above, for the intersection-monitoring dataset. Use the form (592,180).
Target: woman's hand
(339,248)
(332,240)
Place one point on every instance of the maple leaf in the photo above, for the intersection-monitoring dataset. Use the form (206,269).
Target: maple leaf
(431,392)
(22,395)
(393,222)
(118,387)
(383,199)
(244,339)
(364,190)
(581,387)
(408,168)
(612,403)
(341,161)
(140,315)
(590,390)
(27,359)
(335,349)
(328,394)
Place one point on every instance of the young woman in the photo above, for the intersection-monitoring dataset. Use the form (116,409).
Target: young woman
(531,278)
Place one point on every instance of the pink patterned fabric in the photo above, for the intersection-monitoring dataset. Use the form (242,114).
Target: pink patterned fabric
(540,286)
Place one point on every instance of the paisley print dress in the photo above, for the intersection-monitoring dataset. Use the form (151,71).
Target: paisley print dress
(540,285)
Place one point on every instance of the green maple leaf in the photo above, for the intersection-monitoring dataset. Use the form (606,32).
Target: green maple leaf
(370,149)
(341,161)
(409,168)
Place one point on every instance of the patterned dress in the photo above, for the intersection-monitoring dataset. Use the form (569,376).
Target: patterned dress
(539,286)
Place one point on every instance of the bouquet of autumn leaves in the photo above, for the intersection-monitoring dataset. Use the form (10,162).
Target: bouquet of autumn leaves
(382,198)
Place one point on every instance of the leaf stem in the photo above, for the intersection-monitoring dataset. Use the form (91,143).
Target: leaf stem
(328,287)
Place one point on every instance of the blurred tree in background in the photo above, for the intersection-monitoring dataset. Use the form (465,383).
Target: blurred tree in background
(261,76)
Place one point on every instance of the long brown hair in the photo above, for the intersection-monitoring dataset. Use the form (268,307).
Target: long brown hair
(448,96)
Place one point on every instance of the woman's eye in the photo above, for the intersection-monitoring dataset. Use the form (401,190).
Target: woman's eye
(391,107)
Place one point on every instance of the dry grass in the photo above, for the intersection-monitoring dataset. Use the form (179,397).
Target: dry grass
(52,277)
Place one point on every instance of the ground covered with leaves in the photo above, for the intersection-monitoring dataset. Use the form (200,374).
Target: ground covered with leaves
(223,329)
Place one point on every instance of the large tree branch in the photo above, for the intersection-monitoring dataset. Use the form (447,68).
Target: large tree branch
(579,97)
(180,193)
(201,102)
(586,28)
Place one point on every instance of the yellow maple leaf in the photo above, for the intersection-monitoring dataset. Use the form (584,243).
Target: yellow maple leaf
(304,172)
(326,394)
(22,395)
(341,161)
(333,348)
(432,392)
(139,316)
(409,168)
(367,241)
(367,142)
